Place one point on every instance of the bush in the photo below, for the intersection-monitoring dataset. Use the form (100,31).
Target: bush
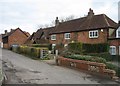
(75,48)
(106,56)
(33,52)
(50,46)
(86,58)
(39,45)
(113,67)
(95,48)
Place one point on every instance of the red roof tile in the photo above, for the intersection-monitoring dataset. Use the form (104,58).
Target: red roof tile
(85,23)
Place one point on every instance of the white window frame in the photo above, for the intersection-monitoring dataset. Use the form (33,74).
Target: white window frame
(112,50)
(53,37)
(117,33)
(67,35)
(92,34)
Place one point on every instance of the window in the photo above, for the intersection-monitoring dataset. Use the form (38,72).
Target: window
(118,34)
(112,50)
(67,35)
(93,34)
(53,37)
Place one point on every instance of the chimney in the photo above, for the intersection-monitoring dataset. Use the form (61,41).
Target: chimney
(90,13)
(5,31)
(56,21)
(11,30)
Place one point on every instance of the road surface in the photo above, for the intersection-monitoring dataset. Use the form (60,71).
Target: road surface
(23,70)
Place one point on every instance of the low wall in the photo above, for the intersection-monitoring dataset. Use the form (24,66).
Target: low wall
(99,68)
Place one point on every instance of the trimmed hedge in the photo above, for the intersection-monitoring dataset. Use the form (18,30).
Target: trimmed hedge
(86,58)
(28,51)
(75,48)
(39,45)
(106,56)
(79,48)
(95,48)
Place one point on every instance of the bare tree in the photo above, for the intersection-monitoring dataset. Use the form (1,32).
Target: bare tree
(62,19)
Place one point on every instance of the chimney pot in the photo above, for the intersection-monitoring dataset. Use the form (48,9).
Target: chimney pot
(56,21)
(5,31)
(90,13)
(11,29)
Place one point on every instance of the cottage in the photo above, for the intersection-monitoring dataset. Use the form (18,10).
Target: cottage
(14,37)
(41,36)
(90,29)
(114,42)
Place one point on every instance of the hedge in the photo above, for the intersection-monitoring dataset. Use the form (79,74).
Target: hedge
(29,51)
(86,58)
(95,48)
(79,48)
(75,48)
(106,56)
(39,45)
(113,67)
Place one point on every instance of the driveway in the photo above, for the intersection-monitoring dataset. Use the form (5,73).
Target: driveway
(23,70)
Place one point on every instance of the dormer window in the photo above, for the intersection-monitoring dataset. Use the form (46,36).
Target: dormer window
(93,34)
(67,35)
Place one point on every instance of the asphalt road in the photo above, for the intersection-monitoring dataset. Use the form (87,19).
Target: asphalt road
(23,70)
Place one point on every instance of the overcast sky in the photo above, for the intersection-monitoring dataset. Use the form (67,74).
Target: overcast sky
(29,14)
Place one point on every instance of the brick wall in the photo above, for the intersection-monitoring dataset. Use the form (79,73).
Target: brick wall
(17,37)
(81,37)
(96,68)
(84,37)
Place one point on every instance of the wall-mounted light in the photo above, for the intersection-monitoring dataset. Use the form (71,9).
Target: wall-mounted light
(101,30)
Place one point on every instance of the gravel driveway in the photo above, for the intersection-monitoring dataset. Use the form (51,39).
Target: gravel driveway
(20,70)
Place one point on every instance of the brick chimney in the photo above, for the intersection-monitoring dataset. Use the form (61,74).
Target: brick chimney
(6,32)
(90,13)
(56,21)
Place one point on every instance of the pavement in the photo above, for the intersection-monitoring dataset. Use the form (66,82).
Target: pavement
(23,70)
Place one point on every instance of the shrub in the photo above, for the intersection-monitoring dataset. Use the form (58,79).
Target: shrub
(86,58)
(75,48)
(106,56)
(113,67)
(95,48)
(39,45)
(50,46)
(33,52)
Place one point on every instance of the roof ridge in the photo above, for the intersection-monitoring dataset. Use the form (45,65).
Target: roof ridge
(106,19)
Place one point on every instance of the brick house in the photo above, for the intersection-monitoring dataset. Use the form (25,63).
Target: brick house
(14,37)
(90,29)
(41,36)
(114,42)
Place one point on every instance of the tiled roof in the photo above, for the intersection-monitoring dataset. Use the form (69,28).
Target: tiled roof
(11,32)
(85,23)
